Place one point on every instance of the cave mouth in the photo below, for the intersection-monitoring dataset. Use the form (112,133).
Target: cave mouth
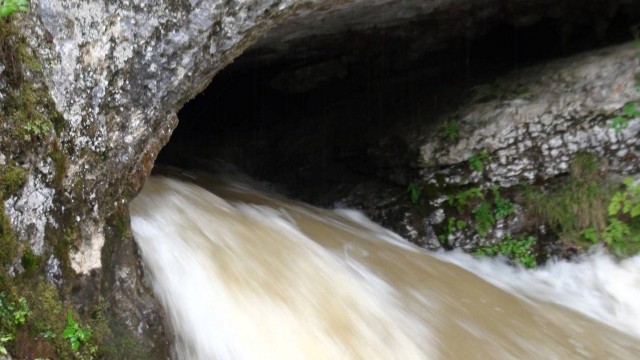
(333,112)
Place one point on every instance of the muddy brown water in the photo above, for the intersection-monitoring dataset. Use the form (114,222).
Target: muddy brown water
(247,275)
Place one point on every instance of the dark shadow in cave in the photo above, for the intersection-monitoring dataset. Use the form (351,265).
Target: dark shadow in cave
(317,125)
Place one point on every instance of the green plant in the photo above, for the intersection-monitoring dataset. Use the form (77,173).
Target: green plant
(8,7)
(627,201)
(414,192)
(12,316)
(36,128)
(483,218)
(590,234)
(504,207)
(12,179)
(621,233)
(519,250)
(4,338)
(74,333)
(521,90)
(451,130)
(476,162)
(453,224)
(577,203)
(615,232)
(463,198)
(21,312)
(621,122)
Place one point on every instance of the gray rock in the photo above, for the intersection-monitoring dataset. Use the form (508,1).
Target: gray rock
(53,271)
(557,121)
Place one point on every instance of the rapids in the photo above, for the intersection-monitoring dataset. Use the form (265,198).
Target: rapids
(247,275)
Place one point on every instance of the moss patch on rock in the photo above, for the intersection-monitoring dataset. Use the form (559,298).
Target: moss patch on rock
(12,178)
(7,239)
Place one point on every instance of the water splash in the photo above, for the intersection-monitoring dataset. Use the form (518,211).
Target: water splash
(243,275)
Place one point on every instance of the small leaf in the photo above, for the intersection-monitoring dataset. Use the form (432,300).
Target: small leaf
(630,109)
(75,344)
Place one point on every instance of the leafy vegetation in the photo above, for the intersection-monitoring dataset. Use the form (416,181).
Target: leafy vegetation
(451,130)
(453,224)
(484,213)
(476,162)
(627,201)
(473,209)
(483,218)
(414,192)
(589,210)
(464,198)
(8,7)
(75,333)
(519,250)
(621,122)
(622,233)
(577,204)
(503,207)
(40,329)
(36,129)
(12,316)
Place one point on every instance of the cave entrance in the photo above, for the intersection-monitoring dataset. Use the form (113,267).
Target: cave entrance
(329,111)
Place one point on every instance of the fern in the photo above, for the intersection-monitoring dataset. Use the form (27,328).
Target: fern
(476,162)
(504,207)
(483,218)
(463,198)
(615,232)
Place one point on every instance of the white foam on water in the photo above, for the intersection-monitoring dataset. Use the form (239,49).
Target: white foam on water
(252,277)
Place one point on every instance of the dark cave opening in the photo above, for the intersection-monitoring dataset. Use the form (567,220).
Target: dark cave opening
(321,119)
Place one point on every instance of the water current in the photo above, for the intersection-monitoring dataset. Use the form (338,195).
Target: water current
(244,274)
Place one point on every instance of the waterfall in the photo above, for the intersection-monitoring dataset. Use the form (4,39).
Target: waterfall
(247,275)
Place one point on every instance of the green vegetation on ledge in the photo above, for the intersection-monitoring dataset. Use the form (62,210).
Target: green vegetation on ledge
(518,250)
(586,209)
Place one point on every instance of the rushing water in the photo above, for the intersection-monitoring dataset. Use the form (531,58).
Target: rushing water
(244,275)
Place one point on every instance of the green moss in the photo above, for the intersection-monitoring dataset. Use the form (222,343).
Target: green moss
(30,261)
(58,122)
(7,238)
(120,223)
(61,163)
(120,345)
(47,319)
(12,179)
(62,245)
(28,107)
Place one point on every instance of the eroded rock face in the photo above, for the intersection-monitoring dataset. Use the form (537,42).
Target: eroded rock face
(533,125)
(117,73)
(529,130)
